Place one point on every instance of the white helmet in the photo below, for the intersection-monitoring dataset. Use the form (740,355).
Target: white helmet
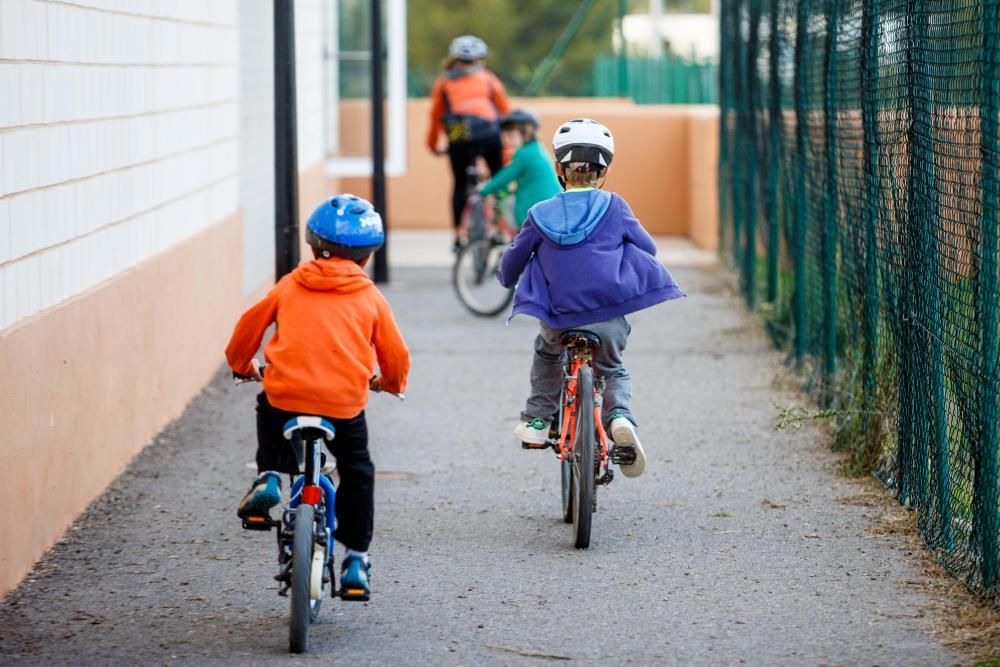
(467,47)
(584,140)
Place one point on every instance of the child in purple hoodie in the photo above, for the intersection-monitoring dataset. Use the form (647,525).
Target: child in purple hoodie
(582,261)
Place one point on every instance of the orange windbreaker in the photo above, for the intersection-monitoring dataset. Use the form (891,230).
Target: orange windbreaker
(333,325)
(479,93)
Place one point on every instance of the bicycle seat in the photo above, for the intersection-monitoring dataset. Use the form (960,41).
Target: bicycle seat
(311,427)
(573,337)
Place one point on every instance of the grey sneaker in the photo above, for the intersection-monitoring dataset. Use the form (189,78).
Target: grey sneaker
(624,435)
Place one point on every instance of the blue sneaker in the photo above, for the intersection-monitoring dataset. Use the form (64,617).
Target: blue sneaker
(354,575)
(263,495)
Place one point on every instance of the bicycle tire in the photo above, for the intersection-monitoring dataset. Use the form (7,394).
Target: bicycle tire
(474,277)
(583,458)
(567,491)
(302,606)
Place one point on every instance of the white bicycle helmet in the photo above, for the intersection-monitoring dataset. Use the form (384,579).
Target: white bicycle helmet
(467,47)
(584,140)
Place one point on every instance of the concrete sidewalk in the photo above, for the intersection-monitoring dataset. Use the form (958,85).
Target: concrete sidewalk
(734,548)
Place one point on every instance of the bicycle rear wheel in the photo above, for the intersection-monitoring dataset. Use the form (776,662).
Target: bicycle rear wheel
(583,458)
(304,608)
(474,277)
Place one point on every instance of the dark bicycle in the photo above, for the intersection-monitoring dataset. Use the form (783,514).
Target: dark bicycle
(484,232)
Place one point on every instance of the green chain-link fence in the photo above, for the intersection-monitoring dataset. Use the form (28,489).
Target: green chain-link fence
(670,79)
(859,190)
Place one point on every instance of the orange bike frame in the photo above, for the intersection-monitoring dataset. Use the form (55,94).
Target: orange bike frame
(569,412)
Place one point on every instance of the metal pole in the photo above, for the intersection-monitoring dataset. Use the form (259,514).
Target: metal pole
(985,496)
(623,52)
(656,42)
(286,163)
(381,268)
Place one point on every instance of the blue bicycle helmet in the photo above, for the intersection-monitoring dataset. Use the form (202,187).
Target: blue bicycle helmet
(345,226)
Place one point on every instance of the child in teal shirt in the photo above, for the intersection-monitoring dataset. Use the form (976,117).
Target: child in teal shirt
(531,167)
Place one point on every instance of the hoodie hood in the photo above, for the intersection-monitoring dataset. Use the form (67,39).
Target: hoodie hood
(336,274)
(570,217)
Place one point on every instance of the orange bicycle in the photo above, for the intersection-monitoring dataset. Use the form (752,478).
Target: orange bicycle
(577,436)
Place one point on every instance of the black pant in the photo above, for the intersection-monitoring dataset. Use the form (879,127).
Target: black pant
(355,506)
(464,153)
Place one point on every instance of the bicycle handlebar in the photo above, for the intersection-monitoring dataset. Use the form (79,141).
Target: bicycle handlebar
(239,379)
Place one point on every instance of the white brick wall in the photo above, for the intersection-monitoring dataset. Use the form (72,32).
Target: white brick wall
(256,33)
(257,141)
(310,16)
(119,137)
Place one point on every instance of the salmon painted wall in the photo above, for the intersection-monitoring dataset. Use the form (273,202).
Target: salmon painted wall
(89,400)
(143,344)
(665,164)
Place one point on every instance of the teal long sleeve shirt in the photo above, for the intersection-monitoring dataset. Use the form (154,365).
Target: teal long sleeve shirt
(531,168)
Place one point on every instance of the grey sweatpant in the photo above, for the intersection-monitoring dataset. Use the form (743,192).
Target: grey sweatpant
(547,371)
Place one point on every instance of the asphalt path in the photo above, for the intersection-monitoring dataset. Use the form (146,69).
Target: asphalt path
(736,546)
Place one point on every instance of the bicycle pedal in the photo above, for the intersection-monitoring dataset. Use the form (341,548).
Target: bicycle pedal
(533,445)
(622,455)
(258,522)
(354,595)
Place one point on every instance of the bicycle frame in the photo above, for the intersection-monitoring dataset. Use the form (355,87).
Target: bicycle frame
(311,487)
(492,223)
(579,355)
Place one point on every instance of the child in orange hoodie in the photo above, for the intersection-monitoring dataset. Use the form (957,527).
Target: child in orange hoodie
(333,325)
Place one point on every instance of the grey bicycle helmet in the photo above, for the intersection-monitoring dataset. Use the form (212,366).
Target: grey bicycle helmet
(519,117)
(467,47)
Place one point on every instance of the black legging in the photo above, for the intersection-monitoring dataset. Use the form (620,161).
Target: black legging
(462,154)
(355,501)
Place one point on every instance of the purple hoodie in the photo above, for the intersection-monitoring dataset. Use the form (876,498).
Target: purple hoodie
(582,257)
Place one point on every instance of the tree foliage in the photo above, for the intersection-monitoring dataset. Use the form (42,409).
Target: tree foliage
(519,33)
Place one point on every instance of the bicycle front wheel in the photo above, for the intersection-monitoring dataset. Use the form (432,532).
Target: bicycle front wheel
(583,458)
(474,277)
(303,607)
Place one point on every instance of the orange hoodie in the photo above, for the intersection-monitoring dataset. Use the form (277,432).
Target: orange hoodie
(333,325)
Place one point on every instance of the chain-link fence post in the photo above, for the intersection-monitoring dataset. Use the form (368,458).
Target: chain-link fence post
(829,231)
(800,210)
(986,455)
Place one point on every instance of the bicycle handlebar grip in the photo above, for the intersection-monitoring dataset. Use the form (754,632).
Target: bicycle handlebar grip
(243,379)
(240,379)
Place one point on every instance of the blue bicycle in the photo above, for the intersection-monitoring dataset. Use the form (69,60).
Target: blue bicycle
(305,531)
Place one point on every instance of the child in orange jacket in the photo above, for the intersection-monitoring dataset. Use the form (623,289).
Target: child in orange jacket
(333,325)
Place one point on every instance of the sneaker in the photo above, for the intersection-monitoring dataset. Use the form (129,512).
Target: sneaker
(623,434)
(354,576)
(263,495)
(534,432)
